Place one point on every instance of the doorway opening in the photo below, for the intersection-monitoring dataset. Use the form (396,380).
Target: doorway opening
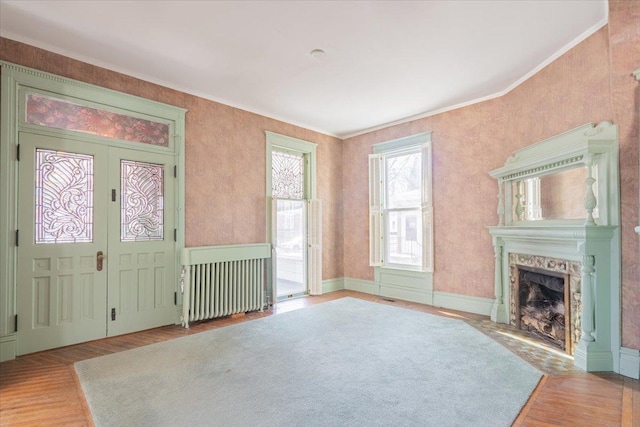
(290,249)
(290,192)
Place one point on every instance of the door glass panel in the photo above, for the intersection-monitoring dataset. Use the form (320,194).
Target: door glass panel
(142,201)
(291,247)
(64,197)
(61,114)
(287,175)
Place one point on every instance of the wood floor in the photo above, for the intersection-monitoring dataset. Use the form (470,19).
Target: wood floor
(41,389)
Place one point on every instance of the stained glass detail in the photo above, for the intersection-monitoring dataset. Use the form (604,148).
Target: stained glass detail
(61,114)
(287,175)
(142,201)
(64,197)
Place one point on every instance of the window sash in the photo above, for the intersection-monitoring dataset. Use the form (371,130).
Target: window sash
(403,240)
(378,213)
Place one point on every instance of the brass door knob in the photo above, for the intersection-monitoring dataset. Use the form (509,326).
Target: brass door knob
(99,258)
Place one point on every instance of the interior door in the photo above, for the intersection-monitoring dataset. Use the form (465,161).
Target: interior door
(96,253)
(61,289)
(141,241)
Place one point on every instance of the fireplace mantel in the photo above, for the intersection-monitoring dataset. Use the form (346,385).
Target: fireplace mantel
(593,240)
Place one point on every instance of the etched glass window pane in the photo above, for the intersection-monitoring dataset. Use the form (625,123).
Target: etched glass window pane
(64,197)
(60,114)
(142,201)
(287,175)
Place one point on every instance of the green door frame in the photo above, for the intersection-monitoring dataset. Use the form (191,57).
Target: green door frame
(14,81)
(277,142)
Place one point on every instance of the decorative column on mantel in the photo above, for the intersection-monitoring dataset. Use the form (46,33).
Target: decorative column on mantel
(500,203)
(590,201)
(498,311)
(587,300)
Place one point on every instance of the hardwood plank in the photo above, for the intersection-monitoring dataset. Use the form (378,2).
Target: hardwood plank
(519,421)
(630,403)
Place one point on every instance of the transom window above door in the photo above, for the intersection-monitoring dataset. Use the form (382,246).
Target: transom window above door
(77,116)
(287,175)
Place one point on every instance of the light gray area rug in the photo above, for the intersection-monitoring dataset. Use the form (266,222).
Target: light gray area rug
(346,362)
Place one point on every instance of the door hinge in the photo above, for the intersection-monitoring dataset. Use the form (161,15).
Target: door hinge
(175,171)
(113,194)
(175,298)
(15,324)
(113,314)
(175,234)
(18,152)
(17,238)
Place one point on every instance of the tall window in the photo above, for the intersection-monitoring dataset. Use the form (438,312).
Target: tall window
(400,208)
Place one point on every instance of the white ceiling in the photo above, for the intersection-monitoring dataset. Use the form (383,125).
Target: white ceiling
(385,62)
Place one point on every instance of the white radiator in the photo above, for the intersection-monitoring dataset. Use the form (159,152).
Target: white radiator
(222,280)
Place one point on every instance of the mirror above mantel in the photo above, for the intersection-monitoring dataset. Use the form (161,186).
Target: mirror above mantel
(552,197)
(566,179)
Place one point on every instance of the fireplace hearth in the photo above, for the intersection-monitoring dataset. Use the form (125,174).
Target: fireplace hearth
(545,298)
(541,308)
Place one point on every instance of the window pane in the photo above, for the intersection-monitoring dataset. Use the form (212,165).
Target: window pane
(291,249)
(142,201)
(287,175)
(64,197)
(59,114)
(403,173)
(404,237)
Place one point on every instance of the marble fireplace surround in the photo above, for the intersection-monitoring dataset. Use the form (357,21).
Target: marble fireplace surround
(592,243)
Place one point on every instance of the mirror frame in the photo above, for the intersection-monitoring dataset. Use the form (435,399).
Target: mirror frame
(585,146)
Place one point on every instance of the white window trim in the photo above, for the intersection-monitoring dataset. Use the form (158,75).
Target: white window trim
(376,200)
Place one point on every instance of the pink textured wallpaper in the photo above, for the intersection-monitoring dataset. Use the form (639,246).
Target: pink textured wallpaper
(225,158)
(468,142)
(624,36)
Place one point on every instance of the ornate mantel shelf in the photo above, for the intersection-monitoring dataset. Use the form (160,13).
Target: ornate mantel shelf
(577,234)
(590,237)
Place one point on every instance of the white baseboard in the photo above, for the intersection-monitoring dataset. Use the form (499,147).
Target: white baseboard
(7,347)
(458,302)
(405,294)
(630,362)
(331,285)
(469,304)
(359,285)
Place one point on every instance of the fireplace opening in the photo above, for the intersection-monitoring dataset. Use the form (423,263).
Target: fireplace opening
(543,306)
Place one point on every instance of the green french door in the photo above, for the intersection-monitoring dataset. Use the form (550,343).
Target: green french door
(96,250)
(141,246)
